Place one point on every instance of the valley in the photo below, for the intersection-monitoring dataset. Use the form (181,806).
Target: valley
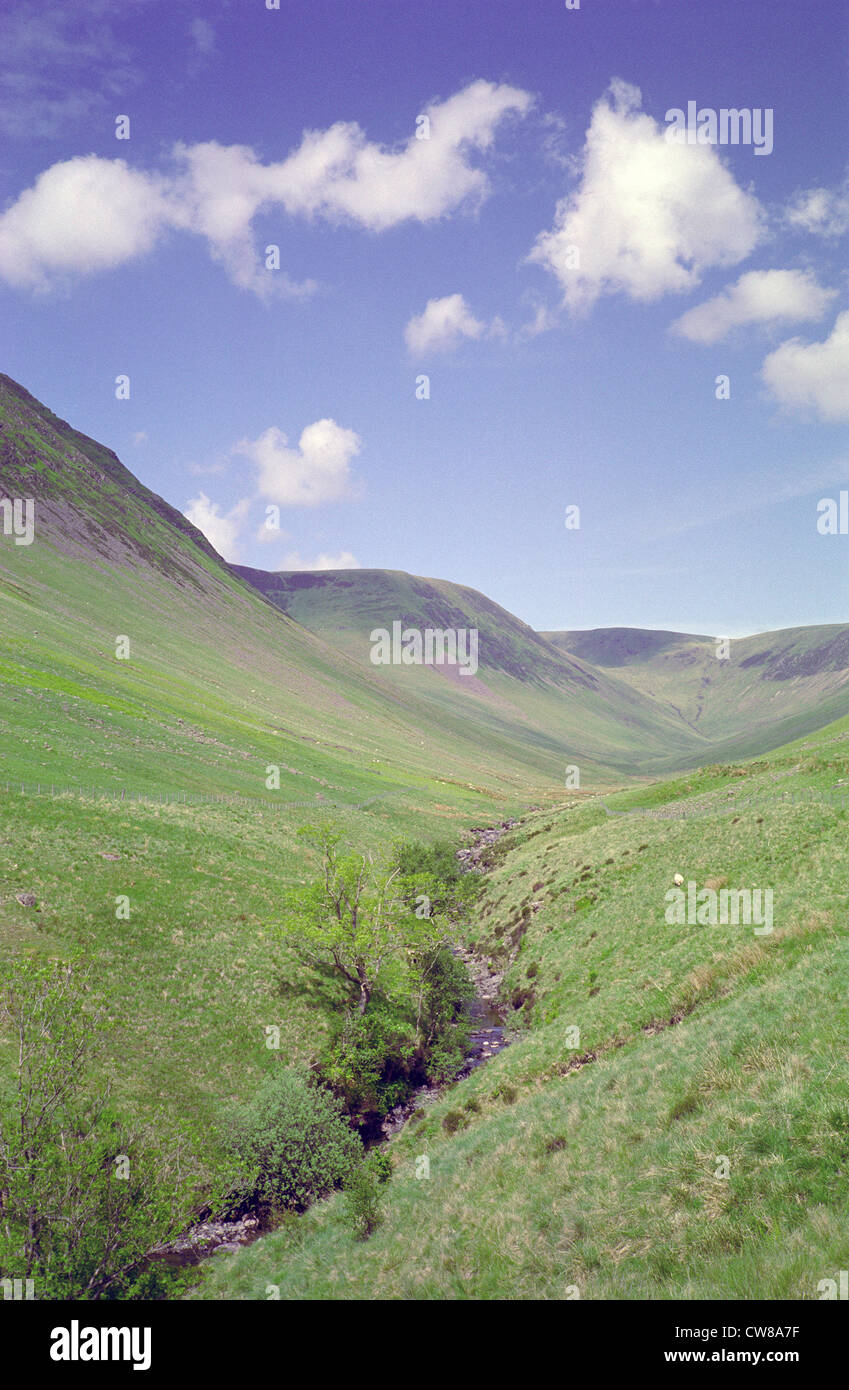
(670,1117)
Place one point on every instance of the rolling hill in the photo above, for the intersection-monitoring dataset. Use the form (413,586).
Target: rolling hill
(671,1120)
(569,1162)
(219,683)
(770,688)
(564,706)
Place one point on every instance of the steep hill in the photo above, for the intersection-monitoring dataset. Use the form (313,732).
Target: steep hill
(559,701)
(770,688)
(671,1120)
(218,683)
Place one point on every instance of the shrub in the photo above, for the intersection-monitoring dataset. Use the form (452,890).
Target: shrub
(83,1195)
(436,871)
(381,1164)
(363,1197)
(445,1022)
(292,1142)
(370,1063)
(453,1120)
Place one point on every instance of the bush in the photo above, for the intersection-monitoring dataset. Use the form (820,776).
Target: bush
(363,1197)
(445,1021)
(453,1120)
(292,1142)
(83,1196)
(382,1165)
(370,1064)
(436,871)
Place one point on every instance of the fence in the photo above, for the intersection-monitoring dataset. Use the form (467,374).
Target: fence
(183,798)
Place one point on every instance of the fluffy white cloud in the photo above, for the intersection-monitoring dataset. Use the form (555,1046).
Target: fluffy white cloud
(222,531)
(444,323)
(813,375)
(759,296)
(649,215)
(88,214)
(83,215)
(343,561)
(338,174)
(822,211)
(317,471)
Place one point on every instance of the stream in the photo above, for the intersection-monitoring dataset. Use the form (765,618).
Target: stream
(487,1038)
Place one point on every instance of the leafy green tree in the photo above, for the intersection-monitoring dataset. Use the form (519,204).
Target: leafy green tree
(443,1024)
(435,871)
(82,1196)
(358,916)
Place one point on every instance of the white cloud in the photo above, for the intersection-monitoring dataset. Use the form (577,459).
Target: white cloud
(759,296)
(649,216)
(545,318)
(343,561)
(317,471)
(83,215)
(821,211)
(442,325)
(222,531)
(88,214)
(813,375)
(337,173)
(139,438)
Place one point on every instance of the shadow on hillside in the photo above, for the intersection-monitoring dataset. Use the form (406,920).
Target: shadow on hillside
(319,984)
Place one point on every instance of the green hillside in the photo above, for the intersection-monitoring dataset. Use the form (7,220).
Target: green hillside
(568,1161)
(672,1120)
(769,688)
(557,703)
(218,684)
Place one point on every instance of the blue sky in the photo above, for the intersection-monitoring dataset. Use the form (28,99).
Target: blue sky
(570,280)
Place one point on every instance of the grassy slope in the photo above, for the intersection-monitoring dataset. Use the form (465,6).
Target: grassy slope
(773,687)
(565,707)
(219,685)
(591,1163)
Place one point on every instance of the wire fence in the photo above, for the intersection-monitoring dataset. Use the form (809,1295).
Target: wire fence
(15,787)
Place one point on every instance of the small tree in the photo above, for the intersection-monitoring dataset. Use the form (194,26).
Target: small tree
(364,1195)
(358,916)
(82,1198)
(293,1142)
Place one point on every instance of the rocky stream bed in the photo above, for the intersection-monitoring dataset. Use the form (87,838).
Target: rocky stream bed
(488,1037)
